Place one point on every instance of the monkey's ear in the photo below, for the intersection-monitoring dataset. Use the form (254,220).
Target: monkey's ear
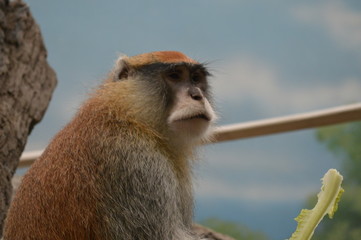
(121,69)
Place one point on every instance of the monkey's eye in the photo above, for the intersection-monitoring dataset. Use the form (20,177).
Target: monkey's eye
(196,78)
(174,75)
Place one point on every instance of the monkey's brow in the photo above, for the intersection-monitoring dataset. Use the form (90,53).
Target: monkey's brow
(160,66)
(194,67)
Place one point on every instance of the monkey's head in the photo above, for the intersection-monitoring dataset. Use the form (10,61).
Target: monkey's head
(166,90)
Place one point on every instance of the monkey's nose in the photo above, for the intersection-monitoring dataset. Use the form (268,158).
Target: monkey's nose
(195,93)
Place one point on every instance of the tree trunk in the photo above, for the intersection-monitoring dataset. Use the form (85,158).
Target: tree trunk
(26,85)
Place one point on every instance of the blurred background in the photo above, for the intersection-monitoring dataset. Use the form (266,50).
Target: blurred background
(268,59)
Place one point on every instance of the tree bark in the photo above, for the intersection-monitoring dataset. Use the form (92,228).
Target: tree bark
(26,85)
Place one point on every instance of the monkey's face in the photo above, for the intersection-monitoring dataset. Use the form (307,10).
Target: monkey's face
(190,112)
(171,91)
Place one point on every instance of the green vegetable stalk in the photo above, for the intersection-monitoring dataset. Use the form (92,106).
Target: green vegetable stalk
(327,203)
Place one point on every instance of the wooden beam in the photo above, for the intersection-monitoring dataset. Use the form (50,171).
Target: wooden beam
(315,119)
(27,158)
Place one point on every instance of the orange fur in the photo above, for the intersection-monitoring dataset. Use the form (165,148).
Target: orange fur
(161,56)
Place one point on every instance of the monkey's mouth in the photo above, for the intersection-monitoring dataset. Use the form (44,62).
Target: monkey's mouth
(201,116)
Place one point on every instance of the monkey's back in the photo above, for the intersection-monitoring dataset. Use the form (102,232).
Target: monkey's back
(58,195)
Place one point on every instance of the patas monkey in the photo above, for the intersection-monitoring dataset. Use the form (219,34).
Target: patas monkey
(121,168)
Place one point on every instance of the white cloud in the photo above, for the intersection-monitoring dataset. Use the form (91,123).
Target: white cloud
(250,160)
(255,175)
(256,192)
(251,79)
(342,23)
(245,76)
(344,92)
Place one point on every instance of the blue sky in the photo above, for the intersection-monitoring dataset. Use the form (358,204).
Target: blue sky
(268,58)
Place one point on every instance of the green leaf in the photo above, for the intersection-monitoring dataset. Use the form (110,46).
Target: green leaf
(327,203)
